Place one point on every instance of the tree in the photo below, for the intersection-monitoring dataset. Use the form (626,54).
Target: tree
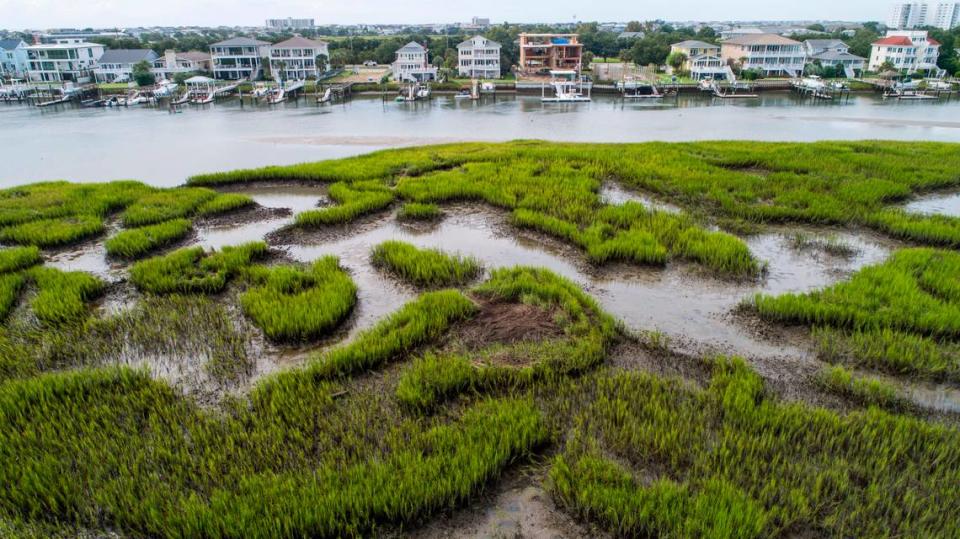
(676,59)
(321,63)
(817,27)
(141,73)
(634,26)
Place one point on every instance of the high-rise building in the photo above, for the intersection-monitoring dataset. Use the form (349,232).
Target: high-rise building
(908,15)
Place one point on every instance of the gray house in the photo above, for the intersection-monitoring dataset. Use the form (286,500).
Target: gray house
(116,65)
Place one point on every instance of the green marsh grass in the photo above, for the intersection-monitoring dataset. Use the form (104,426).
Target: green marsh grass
(53,232)
(416,211)
(424,267)
(223,203)
(862,389)
(11,284)
(166,205)
(193,271)
(18,258)
(56,200)
(353,200)
(136,242)
(896,352)
(300,304)
(62,296)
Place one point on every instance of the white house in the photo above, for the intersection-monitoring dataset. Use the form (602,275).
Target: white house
(413,64)
(173,63)
(479,57)
(116,65)
(770,53)
(13,58)
(238,58)
(833,53)
(905,50)
(703,59)
(58,62)
(299,58)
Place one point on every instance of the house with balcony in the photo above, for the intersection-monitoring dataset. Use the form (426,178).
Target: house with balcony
(238,58)
(13,58)
(834,53)
(174,63)
(479,57)
(703,59)
(116,65)
(906,50)
(542,53)
(771,54)
(413,64)
(299,58)
(61,62)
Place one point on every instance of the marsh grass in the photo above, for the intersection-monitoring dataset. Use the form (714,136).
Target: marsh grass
(193,271)
(62,296)
(416,211)
(137,242)
(353,200)
(223,203)
(18,258)
(865,390)
(11,284)
(425,267)
(53,232)
(300,303)
(830,244)
(896,352)
(165,205)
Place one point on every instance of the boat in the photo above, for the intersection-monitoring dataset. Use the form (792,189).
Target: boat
(91,103)
(939,85)
(423,92)
(260,91)
(326,97)
(488,87)
(165,89)
(183,99)
(463,93)
(706,85)
(133,98)
(277,95)
(566,89)
(202,98)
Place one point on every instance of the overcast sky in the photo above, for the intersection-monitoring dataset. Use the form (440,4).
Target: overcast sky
(19,14)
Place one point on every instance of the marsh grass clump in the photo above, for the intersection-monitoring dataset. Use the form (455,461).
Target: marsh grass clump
(53,232)
(862,389)
(11,284)
(830,244)
(660,457)
(193,271)
(223,203)
(299,304)
(19,258)
(62,296)
(58,200)
(353,200)
(417,211)
(165,205)
(424,267)
(896,352)
(137,242)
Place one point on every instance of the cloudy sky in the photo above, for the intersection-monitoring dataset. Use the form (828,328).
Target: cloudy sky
(18,14)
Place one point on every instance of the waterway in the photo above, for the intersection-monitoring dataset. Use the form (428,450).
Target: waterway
(153,145)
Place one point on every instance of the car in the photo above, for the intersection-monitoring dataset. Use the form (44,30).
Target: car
(369,63)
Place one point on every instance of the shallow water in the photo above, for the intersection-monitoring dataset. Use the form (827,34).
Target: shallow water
(152,145)
(939,204)
(615,194)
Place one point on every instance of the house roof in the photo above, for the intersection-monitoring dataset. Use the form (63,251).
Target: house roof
(761,39)
(630,35)
(240,42)
(194,56)
(836,55)
(470,42)
(413,46)
(10,44)
(299,42)
(932,41)
(694,44)
(127,56)
(825,43)
(902,41)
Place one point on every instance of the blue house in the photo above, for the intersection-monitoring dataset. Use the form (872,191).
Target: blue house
(13,58)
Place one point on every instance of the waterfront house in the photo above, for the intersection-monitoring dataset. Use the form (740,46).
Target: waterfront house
(238,58)
(116,65)
(299,58)
(13,58)
(905,50)
(60,62)
(173,63)
(479,57)
(542,53)
(413,65)
(833,53)
(771,54)
(703,60)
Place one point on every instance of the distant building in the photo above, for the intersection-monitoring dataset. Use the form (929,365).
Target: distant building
(116,65)
(772,54)
(13,58)
(703,59)
(479,57)
(59,62)
(540,53)
(69,35)
(910,15)
(630,35)
(834,53)
(173,63)
(739,31)
(290,24)
(296,59)
(413,64)
(480,22)
(905,50)
(238,58)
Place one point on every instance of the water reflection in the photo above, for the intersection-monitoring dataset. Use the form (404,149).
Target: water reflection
(939,204)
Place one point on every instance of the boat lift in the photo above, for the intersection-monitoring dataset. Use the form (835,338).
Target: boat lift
(567,88)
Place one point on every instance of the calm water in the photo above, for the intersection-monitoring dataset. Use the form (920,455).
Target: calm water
(152,145)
